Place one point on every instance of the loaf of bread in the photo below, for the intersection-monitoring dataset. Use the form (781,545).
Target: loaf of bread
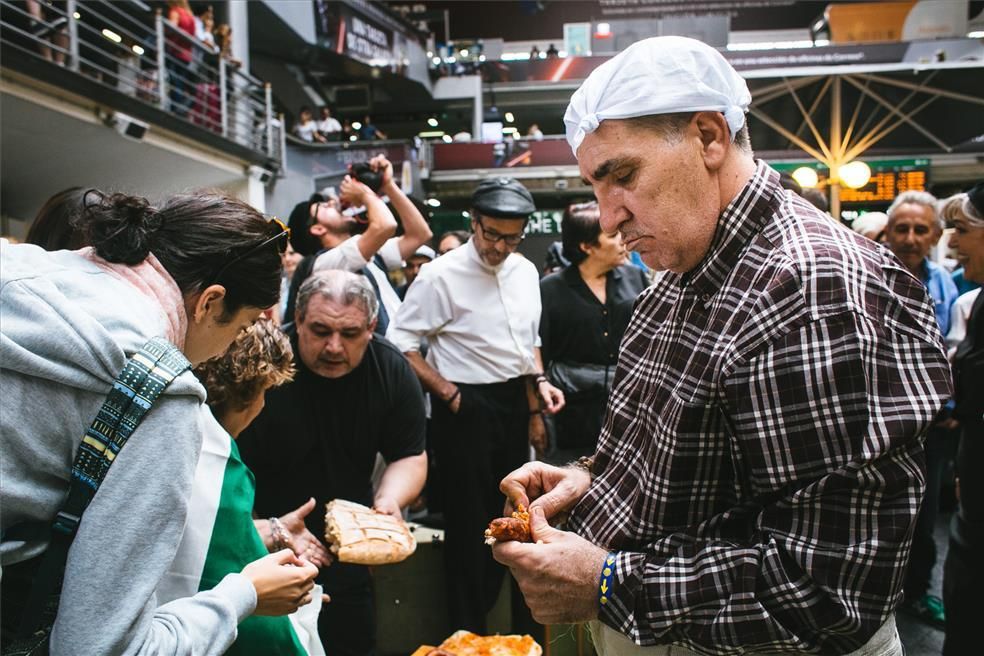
(360,535)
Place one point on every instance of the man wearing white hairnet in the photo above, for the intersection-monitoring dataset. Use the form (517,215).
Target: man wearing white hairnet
(761,465)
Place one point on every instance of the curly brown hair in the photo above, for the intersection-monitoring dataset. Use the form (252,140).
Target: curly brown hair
(260,357)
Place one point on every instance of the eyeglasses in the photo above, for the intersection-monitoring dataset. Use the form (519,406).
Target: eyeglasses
(495,237)
(282,231)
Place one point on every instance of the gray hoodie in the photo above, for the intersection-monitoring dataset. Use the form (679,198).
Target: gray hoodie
(66,329)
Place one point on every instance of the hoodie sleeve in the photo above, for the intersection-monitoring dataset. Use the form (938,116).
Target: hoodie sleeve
(126,542)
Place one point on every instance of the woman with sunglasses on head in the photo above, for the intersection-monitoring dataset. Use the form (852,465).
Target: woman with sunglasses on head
(190,274)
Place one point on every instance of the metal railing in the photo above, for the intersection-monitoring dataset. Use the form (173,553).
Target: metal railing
(135,50)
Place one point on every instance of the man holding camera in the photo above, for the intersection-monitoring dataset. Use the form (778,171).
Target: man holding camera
(479,308)
(341,241)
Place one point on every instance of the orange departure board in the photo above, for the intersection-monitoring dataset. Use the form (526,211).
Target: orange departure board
(884,186)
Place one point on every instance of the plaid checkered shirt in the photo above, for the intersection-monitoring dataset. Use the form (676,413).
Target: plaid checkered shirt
(761,464)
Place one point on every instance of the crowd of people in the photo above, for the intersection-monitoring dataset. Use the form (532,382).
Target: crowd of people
(326,128)
(742,452)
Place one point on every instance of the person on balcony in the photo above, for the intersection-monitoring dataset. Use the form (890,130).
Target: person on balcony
(179,55)
(306,128)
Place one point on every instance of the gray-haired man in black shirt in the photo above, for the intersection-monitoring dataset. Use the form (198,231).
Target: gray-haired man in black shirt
(354,396)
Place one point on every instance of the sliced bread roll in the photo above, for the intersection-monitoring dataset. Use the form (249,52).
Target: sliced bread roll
(360,535)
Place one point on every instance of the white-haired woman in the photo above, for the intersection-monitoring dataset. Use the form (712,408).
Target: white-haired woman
(964,570)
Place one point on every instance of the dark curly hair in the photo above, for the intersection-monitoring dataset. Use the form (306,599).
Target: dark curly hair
(260,357)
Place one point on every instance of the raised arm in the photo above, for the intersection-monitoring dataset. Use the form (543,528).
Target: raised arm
(416,231)
(381,223)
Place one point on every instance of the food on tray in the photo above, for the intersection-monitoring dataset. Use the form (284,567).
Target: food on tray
(360,535)
(515,528)
(464,643)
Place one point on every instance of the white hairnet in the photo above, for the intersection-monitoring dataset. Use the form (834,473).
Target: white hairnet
(661,75)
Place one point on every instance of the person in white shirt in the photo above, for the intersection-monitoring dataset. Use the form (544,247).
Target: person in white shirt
(479,309)
(306,127)
(320,228)
(328,124)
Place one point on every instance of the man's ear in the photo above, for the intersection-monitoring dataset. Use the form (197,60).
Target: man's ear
(715,138)
(210,303)
(317,229)
(372,327)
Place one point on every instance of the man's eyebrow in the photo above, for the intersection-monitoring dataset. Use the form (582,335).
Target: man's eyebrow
(606,167)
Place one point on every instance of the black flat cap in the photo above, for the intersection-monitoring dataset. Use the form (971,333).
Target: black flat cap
(502,198)
(975,198)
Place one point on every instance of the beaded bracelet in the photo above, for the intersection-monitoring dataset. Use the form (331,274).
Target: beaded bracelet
(607,575)
(281,538)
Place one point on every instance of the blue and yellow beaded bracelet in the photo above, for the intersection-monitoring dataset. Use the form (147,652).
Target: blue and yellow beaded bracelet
(607,576)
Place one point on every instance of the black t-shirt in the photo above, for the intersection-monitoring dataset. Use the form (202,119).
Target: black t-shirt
(318,437)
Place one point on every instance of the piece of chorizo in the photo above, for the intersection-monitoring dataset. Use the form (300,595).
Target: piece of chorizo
(504,529)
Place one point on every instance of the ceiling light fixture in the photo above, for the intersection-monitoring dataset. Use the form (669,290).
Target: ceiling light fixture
(447,138)
(433,202)
(855,174)
(356,125)
(137,49)
(432,122)
(806,176)
(112,36)
(509,117)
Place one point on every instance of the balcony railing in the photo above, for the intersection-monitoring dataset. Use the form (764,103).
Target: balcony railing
(134,50)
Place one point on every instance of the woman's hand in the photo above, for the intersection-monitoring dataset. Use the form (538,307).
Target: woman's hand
(553,398)
(283,582)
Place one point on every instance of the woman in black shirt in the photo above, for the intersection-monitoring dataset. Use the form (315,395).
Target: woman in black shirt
(586,308)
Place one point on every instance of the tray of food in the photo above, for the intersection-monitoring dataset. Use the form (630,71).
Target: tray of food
(465,643)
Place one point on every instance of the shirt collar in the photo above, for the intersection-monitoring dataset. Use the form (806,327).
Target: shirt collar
(741,220)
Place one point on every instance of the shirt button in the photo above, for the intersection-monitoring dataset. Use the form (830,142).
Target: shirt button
(705,297)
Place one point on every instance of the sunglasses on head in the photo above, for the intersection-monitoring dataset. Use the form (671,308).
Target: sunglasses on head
(282,237)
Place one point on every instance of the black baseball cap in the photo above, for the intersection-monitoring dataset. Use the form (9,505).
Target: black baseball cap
(299,221)
(502,198)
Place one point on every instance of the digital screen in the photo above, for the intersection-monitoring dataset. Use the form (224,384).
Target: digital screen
(884,186)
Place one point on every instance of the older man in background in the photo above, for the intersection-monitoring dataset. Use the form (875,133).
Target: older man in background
(913,229)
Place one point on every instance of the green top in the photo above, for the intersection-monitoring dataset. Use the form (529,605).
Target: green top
(235,543)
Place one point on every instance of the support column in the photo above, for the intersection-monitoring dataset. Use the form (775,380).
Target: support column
(238,13)
(835,148)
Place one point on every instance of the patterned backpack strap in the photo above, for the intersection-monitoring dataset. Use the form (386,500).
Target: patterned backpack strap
(144,377)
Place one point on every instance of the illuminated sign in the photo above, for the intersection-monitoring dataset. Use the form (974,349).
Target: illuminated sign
(884,186)
(889,178)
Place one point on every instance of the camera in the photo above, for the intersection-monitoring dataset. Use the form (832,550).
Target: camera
(364,174)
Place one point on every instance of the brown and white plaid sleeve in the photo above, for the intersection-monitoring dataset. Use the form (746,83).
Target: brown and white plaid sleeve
(761,465)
